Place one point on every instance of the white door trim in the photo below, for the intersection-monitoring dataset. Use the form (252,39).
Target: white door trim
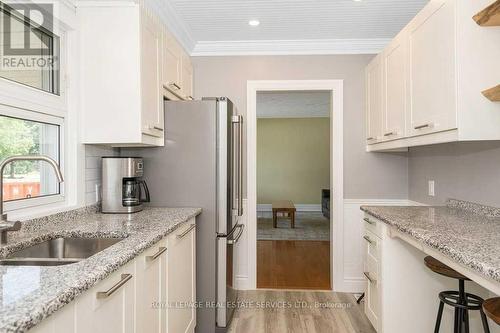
(336,168)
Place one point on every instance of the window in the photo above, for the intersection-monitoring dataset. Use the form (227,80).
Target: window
(28,179)
(29,52)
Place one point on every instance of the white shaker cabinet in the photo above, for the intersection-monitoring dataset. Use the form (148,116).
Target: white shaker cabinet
(187,77)
(394,89)
(151,289)
(151,75)
(432,62)
(181,296)
(374,97)
(434,71)
(172,67)
(108,307)
(128,68)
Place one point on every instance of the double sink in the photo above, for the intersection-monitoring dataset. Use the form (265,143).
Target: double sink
(58,251)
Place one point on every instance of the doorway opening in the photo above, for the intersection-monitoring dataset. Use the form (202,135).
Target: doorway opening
(295,176)
(293,190)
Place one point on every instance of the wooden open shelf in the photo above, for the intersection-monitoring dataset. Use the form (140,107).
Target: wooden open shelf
(493,94)
(490,16)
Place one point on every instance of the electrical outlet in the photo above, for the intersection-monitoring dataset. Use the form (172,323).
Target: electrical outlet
(97,192)
(431,188)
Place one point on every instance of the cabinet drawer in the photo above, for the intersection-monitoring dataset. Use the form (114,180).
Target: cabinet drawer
(373,225)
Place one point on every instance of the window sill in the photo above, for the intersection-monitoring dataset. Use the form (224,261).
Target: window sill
(22,210)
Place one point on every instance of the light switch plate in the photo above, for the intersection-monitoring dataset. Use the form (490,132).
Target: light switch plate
(431,188)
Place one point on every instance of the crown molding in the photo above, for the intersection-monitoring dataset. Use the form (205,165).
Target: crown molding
(289,47)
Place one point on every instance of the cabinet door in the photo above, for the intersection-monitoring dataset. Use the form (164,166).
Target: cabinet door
(172,64)
(395,88)
(151,88)
(187,77)
(374,98)
(109,306)
(432,69)
(151,288)
(371,271)
(182,279)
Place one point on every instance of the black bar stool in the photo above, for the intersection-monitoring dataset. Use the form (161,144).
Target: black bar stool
(492,309)
(461,301)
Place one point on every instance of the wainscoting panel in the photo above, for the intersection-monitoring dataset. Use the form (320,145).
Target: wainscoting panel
(353,257)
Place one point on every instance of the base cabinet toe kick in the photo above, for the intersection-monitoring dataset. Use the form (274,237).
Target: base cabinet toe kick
(154,292)
(401,294)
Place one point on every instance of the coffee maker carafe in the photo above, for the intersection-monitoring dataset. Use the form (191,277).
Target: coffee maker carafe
(123,190)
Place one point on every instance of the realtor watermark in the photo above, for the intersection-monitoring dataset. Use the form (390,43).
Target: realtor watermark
(28,37)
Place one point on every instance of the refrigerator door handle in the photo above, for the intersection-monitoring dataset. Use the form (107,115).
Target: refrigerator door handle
(237,238)
(235,165)
(240,165)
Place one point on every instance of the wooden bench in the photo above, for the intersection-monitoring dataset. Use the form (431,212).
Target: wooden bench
(285,206)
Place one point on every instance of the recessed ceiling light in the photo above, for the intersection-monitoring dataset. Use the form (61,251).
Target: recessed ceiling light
(254,23)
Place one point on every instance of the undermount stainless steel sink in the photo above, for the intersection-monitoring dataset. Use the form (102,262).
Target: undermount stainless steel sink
(58,251)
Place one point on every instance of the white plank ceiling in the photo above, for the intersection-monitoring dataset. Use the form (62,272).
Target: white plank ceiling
(227,20)
(293,104)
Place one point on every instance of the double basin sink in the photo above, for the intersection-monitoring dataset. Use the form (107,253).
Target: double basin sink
(58,251)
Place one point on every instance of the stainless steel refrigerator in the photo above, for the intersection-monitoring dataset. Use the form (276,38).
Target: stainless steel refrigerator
(201,166)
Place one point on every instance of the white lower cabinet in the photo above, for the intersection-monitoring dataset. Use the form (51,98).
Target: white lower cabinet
(151,289)
(108,307)
(372,272)
(154,293)
(182,280)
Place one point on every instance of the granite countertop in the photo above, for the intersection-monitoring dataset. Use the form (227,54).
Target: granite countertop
(467,233)
(31,293)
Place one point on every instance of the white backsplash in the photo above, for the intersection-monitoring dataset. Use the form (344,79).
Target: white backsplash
(93,177)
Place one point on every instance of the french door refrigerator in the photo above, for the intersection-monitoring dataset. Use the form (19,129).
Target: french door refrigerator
(201,166)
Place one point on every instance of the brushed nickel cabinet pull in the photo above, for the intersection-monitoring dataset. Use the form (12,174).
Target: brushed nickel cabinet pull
(112,290)
(389,134)
(366,238)
(370,138)
(158,128)
(186,232)
(175,85)
(422,126)
(369,278)
(367,220)
(161,250)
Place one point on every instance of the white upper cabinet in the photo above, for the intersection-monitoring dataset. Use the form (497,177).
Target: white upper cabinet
(395,89)
(151,75)
(374,83)
(432,69)
(433,75)
(128,68)
(187,77)
(172,64)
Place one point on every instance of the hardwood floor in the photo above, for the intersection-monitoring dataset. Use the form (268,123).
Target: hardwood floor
(266,311)
(285,264)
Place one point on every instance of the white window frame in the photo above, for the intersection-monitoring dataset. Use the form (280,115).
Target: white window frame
(25,102)
(15,205)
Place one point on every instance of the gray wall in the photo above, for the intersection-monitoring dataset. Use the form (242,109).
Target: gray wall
(466,170)
(366,175)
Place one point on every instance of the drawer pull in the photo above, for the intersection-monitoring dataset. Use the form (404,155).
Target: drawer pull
(389,134)
(161,250)
(370,138)
(422,126)
(367,220)
(186,232)
(366,238)
(369,278)
(112,290)
(175,86)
